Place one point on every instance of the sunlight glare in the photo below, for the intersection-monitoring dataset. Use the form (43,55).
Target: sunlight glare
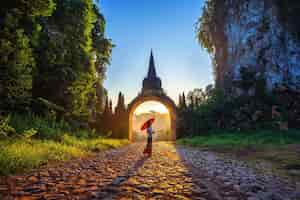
(151,106)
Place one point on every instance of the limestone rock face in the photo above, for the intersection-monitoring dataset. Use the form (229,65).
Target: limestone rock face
(256,37)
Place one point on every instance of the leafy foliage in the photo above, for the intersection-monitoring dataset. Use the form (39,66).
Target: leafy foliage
(45,128)
(72,68)
(214,109)
(53,56)
(27,134)
(208,26)
(5,129)
(28,141)
(210,33)
(19,29)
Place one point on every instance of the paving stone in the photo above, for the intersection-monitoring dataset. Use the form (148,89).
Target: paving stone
(173,172)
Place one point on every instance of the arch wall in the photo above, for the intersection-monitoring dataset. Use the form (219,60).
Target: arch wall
(165,100)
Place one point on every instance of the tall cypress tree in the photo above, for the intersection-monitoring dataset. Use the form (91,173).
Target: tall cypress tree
(183,101)
(179,101)
(106,120)
(120,108)
(106,107)
(121,118)
(110,108)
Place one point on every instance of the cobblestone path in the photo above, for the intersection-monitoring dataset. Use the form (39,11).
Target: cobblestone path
(171,173)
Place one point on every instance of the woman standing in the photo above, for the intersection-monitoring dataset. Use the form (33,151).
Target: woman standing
(148,149)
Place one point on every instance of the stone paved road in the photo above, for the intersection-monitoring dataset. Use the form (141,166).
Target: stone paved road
(171,173)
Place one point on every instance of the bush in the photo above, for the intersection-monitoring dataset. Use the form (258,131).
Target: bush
(45,128)
(28,134)
(230,111)
(31,125)
(5,129)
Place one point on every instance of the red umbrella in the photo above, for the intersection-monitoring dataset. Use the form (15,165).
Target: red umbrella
(147,123)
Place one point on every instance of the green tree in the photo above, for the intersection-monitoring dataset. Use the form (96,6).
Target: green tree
(73,55)
(179,101)
(107,119)
(120,118)
(18,36)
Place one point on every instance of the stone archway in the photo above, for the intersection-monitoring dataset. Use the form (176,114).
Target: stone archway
(152,91)
(164,99)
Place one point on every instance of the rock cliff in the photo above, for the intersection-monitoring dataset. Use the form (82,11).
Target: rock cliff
(261,35)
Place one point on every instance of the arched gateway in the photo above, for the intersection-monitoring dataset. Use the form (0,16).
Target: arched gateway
(152,91)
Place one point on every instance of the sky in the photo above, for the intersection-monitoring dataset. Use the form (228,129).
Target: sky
(168,28)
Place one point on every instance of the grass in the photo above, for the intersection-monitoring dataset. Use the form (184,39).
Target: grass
(28,141)
(262,138)
(17,156)
(281,149)
(96,144)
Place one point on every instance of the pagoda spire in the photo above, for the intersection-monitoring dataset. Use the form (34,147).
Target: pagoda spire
(151,70)
(151,82)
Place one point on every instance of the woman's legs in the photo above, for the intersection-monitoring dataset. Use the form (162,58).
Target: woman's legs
(148,149)
(149,146)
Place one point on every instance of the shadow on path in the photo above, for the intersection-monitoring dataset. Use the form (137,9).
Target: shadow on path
(112,189)
(207,186)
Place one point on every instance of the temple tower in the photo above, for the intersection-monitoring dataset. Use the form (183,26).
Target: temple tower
(152,91)
(152,82)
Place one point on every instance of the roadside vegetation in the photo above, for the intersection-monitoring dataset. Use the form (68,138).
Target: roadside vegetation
(219,139)
(53,57)
(29,141)
(17,156)
(281,149)
(241,116)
